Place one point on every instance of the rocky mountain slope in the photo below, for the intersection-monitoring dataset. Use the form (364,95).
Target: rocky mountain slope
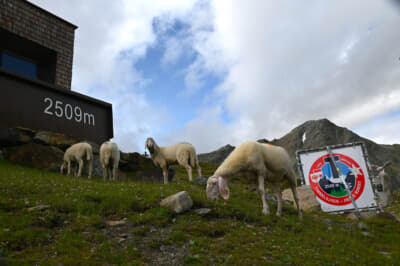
(320,133)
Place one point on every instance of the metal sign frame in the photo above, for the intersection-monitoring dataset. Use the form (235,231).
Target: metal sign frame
(328,150)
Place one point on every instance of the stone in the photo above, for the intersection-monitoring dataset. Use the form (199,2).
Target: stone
(270,197)
(178,203)
(36,155)
(307,199)
(385,196)
(202,211)
(367,234)
(54,139)
(39,208)
(200,180)
(12,137)
(116,223)
(362,226)
(95,147)
(1,155)
(154,175)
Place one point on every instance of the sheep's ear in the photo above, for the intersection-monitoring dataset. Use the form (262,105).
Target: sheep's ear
(223,188)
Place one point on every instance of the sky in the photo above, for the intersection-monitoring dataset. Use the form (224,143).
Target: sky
(227,71)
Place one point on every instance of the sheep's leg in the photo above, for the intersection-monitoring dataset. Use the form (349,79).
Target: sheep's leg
(261,191)
(296,199)
(165,174)
(69,168)
(114,172)
(279,199)
(198,170)
(104,169)
(80,167)
(189,171)
(90,166)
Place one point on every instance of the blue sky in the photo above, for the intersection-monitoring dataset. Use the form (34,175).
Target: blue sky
(214,72)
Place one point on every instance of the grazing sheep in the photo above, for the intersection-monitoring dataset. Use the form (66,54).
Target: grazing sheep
(109,159)
(264,160)
(78,153)
(182,153)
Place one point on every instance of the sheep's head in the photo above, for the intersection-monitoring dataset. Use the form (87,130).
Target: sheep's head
(217,186)
(150,144)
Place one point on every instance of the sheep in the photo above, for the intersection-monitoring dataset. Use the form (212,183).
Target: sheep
(182,153)
(78,153)
(109,159)
(264,160)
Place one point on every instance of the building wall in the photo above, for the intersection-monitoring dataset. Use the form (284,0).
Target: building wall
(38,25)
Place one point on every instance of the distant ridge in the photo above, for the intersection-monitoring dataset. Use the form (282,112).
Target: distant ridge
(318,133)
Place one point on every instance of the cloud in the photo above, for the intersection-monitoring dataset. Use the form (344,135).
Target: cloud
(287,62)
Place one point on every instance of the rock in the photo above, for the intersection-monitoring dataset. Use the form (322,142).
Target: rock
(134,162)
(155,175)
(39,208)
(116,223)
(12,137)
(200,180)
(179,202)
(362,226)
(95,147)
(54,139)
(36,155)
(218,156)
(1,155)
(308,202)
(270,197)
(367,234)
(202,211)
(385,196)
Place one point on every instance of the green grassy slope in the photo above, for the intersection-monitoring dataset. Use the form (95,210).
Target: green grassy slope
(72,227)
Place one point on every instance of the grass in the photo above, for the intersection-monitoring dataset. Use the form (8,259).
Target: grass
(72,229)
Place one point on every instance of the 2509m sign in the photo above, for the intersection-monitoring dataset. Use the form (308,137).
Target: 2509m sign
(65,110)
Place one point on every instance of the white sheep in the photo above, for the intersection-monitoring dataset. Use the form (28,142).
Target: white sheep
(182,153)
(264,160)
(78,153)
(109,159)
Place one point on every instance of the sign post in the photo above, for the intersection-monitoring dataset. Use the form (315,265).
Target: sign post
(339,176)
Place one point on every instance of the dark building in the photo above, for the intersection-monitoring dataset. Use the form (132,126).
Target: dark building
(36,54)
(44,41)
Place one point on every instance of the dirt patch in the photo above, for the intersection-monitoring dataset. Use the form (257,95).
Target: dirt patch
(152,243)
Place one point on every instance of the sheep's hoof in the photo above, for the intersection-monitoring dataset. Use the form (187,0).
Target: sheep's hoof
(278,214)
(265,212)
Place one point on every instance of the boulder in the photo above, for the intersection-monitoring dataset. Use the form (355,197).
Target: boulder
(134,161)
(218,156)
(12,137)
(307,199)
(385,196)
(154,175)
(178,203)
(54,139)
(36,155)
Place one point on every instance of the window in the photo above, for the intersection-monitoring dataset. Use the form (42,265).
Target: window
(26,57)
(19,65)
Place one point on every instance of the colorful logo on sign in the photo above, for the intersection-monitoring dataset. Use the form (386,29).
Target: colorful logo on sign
(326,181)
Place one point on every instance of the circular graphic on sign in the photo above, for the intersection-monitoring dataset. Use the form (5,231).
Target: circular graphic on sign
(326,181)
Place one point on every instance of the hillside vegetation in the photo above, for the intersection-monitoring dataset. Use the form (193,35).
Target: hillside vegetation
(46,219)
